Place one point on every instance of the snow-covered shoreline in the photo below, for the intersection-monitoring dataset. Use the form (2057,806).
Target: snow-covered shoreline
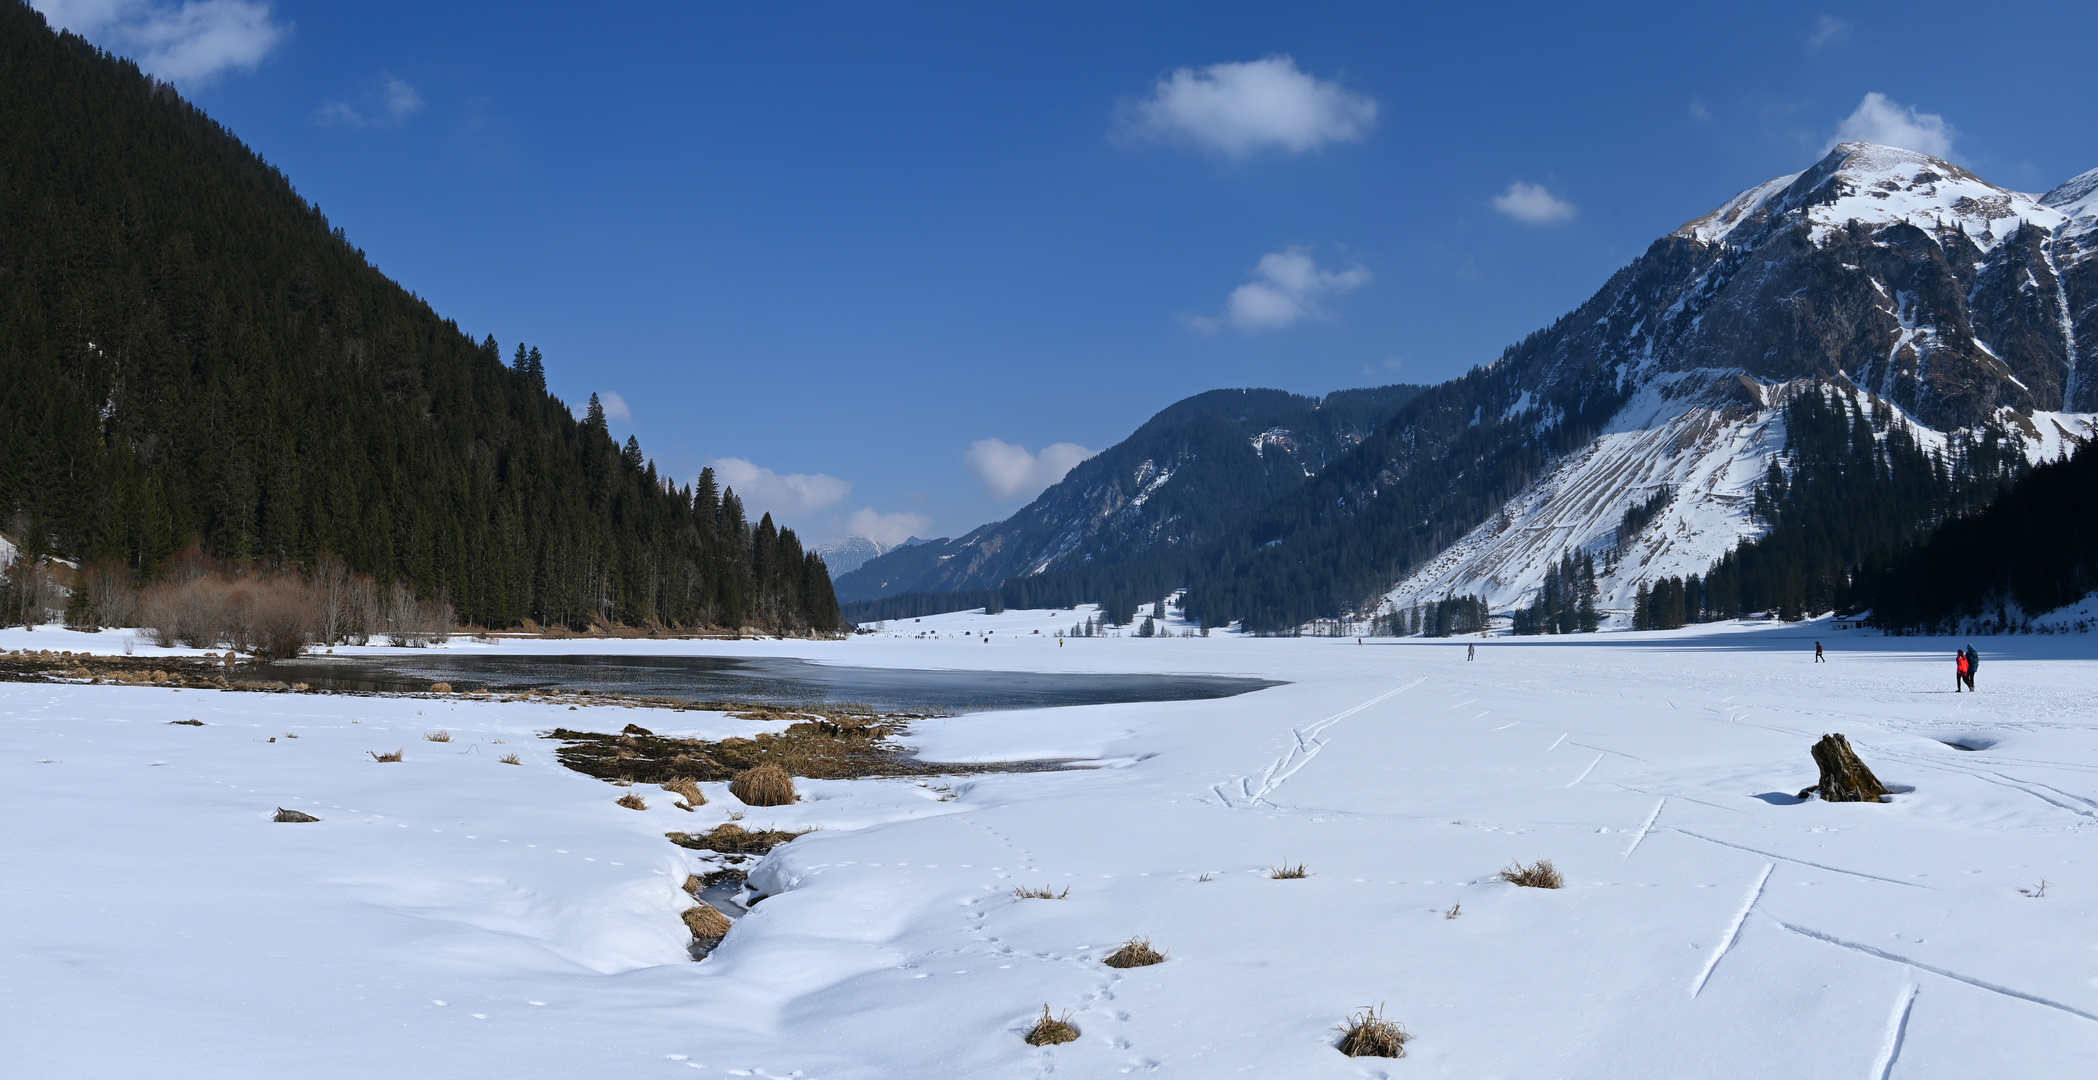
(157,922)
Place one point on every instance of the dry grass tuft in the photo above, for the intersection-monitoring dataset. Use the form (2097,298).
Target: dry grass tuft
(292,815)
(1286,872)
(705,922)
(188,723)
(1367,1034)
(1136,952)
(694,885)
(632,801)
(437,736)
(1538,875)
(766,785)
(1046,892)
(1455,910)
(440,688)
(511,759)
(735,839)
(689,788)
(377,756)
(1049,1031)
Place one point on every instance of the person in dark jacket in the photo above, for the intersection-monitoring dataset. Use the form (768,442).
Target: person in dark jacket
(1973,663)
(1818,658)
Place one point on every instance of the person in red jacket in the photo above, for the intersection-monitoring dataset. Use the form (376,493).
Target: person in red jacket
(1959,669)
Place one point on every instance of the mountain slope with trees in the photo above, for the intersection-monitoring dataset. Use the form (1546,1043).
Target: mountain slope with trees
(189,353)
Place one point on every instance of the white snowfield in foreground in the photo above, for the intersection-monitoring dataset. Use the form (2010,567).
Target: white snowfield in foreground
(452,916)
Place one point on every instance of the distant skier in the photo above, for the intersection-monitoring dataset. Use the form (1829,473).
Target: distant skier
(1959,670)
(1471,652)
(1818,658)
(1973,665)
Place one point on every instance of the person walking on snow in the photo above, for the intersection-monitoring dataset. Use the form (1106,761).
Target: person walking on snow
(1959,670)
(1818,658)
(1973,665)
(1471,652)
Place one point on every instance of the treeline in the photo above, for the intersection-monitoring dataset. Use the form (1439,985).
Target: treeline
(1447,617)
(1566,602)
(2031,551)
(1853,487)
(189,353)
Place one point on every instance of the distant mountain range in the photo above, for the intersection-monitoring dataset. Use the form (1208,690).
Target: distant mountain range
(1925,304)
(1189,476)
(849,553)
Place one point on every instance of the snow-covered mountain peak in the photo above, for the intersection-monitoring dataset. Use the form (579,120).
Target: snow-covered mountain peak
(2077,201)
(1876,185)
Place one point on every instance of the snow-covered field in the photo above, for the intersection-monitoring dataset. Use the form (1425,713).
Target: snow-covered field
(453,916)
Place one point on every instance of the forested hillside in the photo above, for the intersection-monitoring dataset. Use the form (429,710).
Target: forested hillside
(189,353)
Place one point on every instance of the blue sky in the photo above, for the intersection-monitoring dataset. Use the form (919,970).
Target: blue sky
(897,267)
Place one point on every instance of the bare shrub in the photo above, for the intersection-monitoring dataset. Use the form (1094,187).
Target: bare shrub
(1369,1034)
(1045,892)
(1538,875)
(281,619)
(1136,952)
(766,785)
(377,756)
(414,623)
(689,788)
(1286,872)
(437,736)
(632,801)
(707,923)
(112,595)
(511,759)
(292,815)
(1050,1030)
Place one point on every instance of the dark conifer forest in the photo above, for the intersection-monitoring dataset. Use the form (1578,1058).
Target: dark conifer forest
(190,354)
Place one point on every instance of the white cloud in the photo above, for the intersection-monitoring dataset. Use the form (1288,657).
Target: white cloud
(888,530)
(1009,470)
(763,490)
(615,406)
(1531,204)
(1239,109)
(191,43)
(1827,31)
(1285,290)
(1699,110)
(1878,120)
(388,102)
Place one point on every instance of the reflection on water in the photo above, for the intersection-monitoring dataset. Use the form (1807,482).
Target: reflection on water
(765,680)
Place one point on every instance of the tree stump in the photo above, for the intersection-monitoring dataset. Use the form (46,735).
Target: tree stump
(1844,778)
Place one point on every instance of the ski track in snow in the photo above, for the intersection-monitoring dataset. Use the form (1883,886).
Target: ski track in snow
(1897,1031)
(1646,827)
(1591,768)
(1306,745)
(1733,930)
(1790,859)
(1983,984)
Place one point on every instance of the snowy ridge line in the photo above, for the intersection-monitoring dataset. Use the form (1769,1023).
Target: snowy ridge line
(1790,859)
(1897,1032)
(1733,930)
(1307,746)
(1643,829)
(1955,976)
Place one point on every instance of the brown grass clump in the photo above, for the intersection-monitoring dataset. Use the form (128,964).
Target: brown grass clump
(1286,872)
(1367,1034)
(694,885)
(1538,875)
(766,785)
(689,788)
(632,801)
(735,839)
(705,922)
(440,688)
(437,736)
(188,723)
(292,815)
(1136,952)
(1046,892)
(1049,1031)
(511,759)
(377,756)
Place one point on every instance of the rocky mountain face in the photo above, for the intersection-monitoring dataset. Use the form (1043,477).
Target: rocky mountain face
(1884,274)
(1189,476)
